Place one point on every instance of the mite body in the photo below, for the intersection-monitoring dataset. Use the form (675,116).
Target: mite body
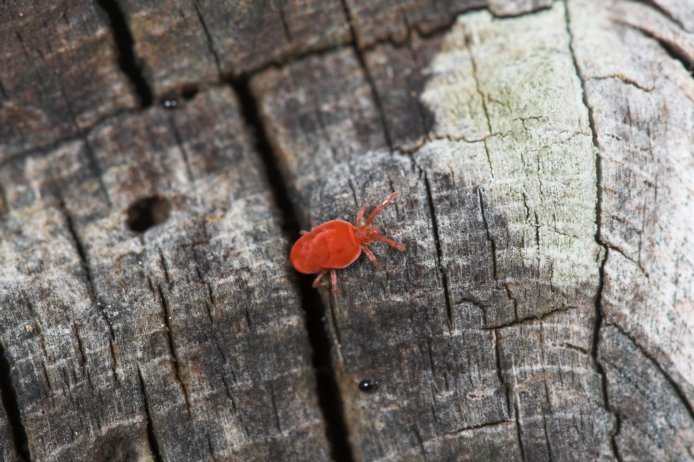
(336,244)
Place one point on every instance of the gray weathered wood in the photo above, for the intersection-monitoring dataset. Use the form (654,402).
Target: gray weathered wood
(191,332)
(58,72)
(500,335)
(642,107)
(542,309)
(187,43)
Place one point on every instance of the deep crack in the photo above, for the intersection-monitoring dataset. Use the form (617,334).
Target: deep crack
(126,51)
(598,238)
(329,397)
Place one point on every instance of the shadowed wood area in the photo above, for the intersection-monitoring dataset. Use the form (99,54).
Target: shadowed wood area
(157,160)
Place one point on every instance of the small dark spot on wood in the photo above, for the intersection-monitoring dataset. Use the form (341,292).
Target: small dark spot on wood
(169,103)
(4,207)
(148,212)
(368,386)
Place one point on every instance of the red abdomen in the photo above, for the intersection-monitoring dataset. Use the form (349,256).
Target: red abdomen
(331,245)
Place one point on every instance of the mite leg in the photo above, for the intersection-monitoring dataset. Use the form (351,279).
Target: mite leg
(333,282)
(360,216)
(371,256)
(316,282)
(389,241)
(380,208)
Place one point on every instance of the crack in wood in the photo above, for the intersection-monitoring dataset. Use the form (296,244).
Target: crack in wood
(89,281)
(547,439)
(477,427)
(420,442)
(151,434)
(439,253)
(285,25)
(598,237)
(329,397)
(208,37)
(165,267)
(172,347)
(359,52)
(659,8)
(500,371)
(624,79)
(181,147)
(125,50)
(679,392)
(10,402)
(275,411)
(491,240)
(672,48)
(528,319)
(519,430)
(3,91)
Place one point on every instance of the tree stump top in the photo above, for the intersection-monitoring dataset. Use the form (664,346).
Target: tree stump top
(157,160)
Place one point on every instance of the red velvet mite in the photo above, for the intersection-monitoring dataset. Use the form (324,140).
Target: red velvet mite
(336,244)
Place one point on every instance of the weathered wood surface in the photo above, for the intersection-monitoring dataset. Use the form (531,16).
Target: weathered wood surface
(643,113)
(59,72)
(542,310)
(191,332)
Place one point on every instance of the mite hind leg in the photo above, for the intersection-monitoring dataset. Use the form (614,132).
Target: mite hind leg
(316,282)
(371,256)
(333,283)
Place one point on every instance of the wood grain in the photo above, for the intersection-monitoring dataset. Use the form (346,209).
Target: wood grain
(190,332)
(498,210)
(643,115)
(542,308)
(59,73)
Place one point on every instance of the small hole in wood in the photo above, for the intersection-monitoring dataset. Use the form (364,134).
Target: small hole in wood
(147,212)
(188,92)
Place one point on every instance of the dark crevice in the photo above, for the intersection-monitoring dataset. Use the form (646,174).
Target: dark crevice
(549,445)
(491,240)
(172,347)
(528,319)
(208,36)
(439,253)
(4,206)
(595,344)
(285,24)
(362,63)
(126,55)
(151,436)
(95,166)
(500,372)
(8,394)
(329,398)
(676,388)
(672,48)
(188,90)
(475,427)
(81,252)
(663,11)
(3,92)
(519,431)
